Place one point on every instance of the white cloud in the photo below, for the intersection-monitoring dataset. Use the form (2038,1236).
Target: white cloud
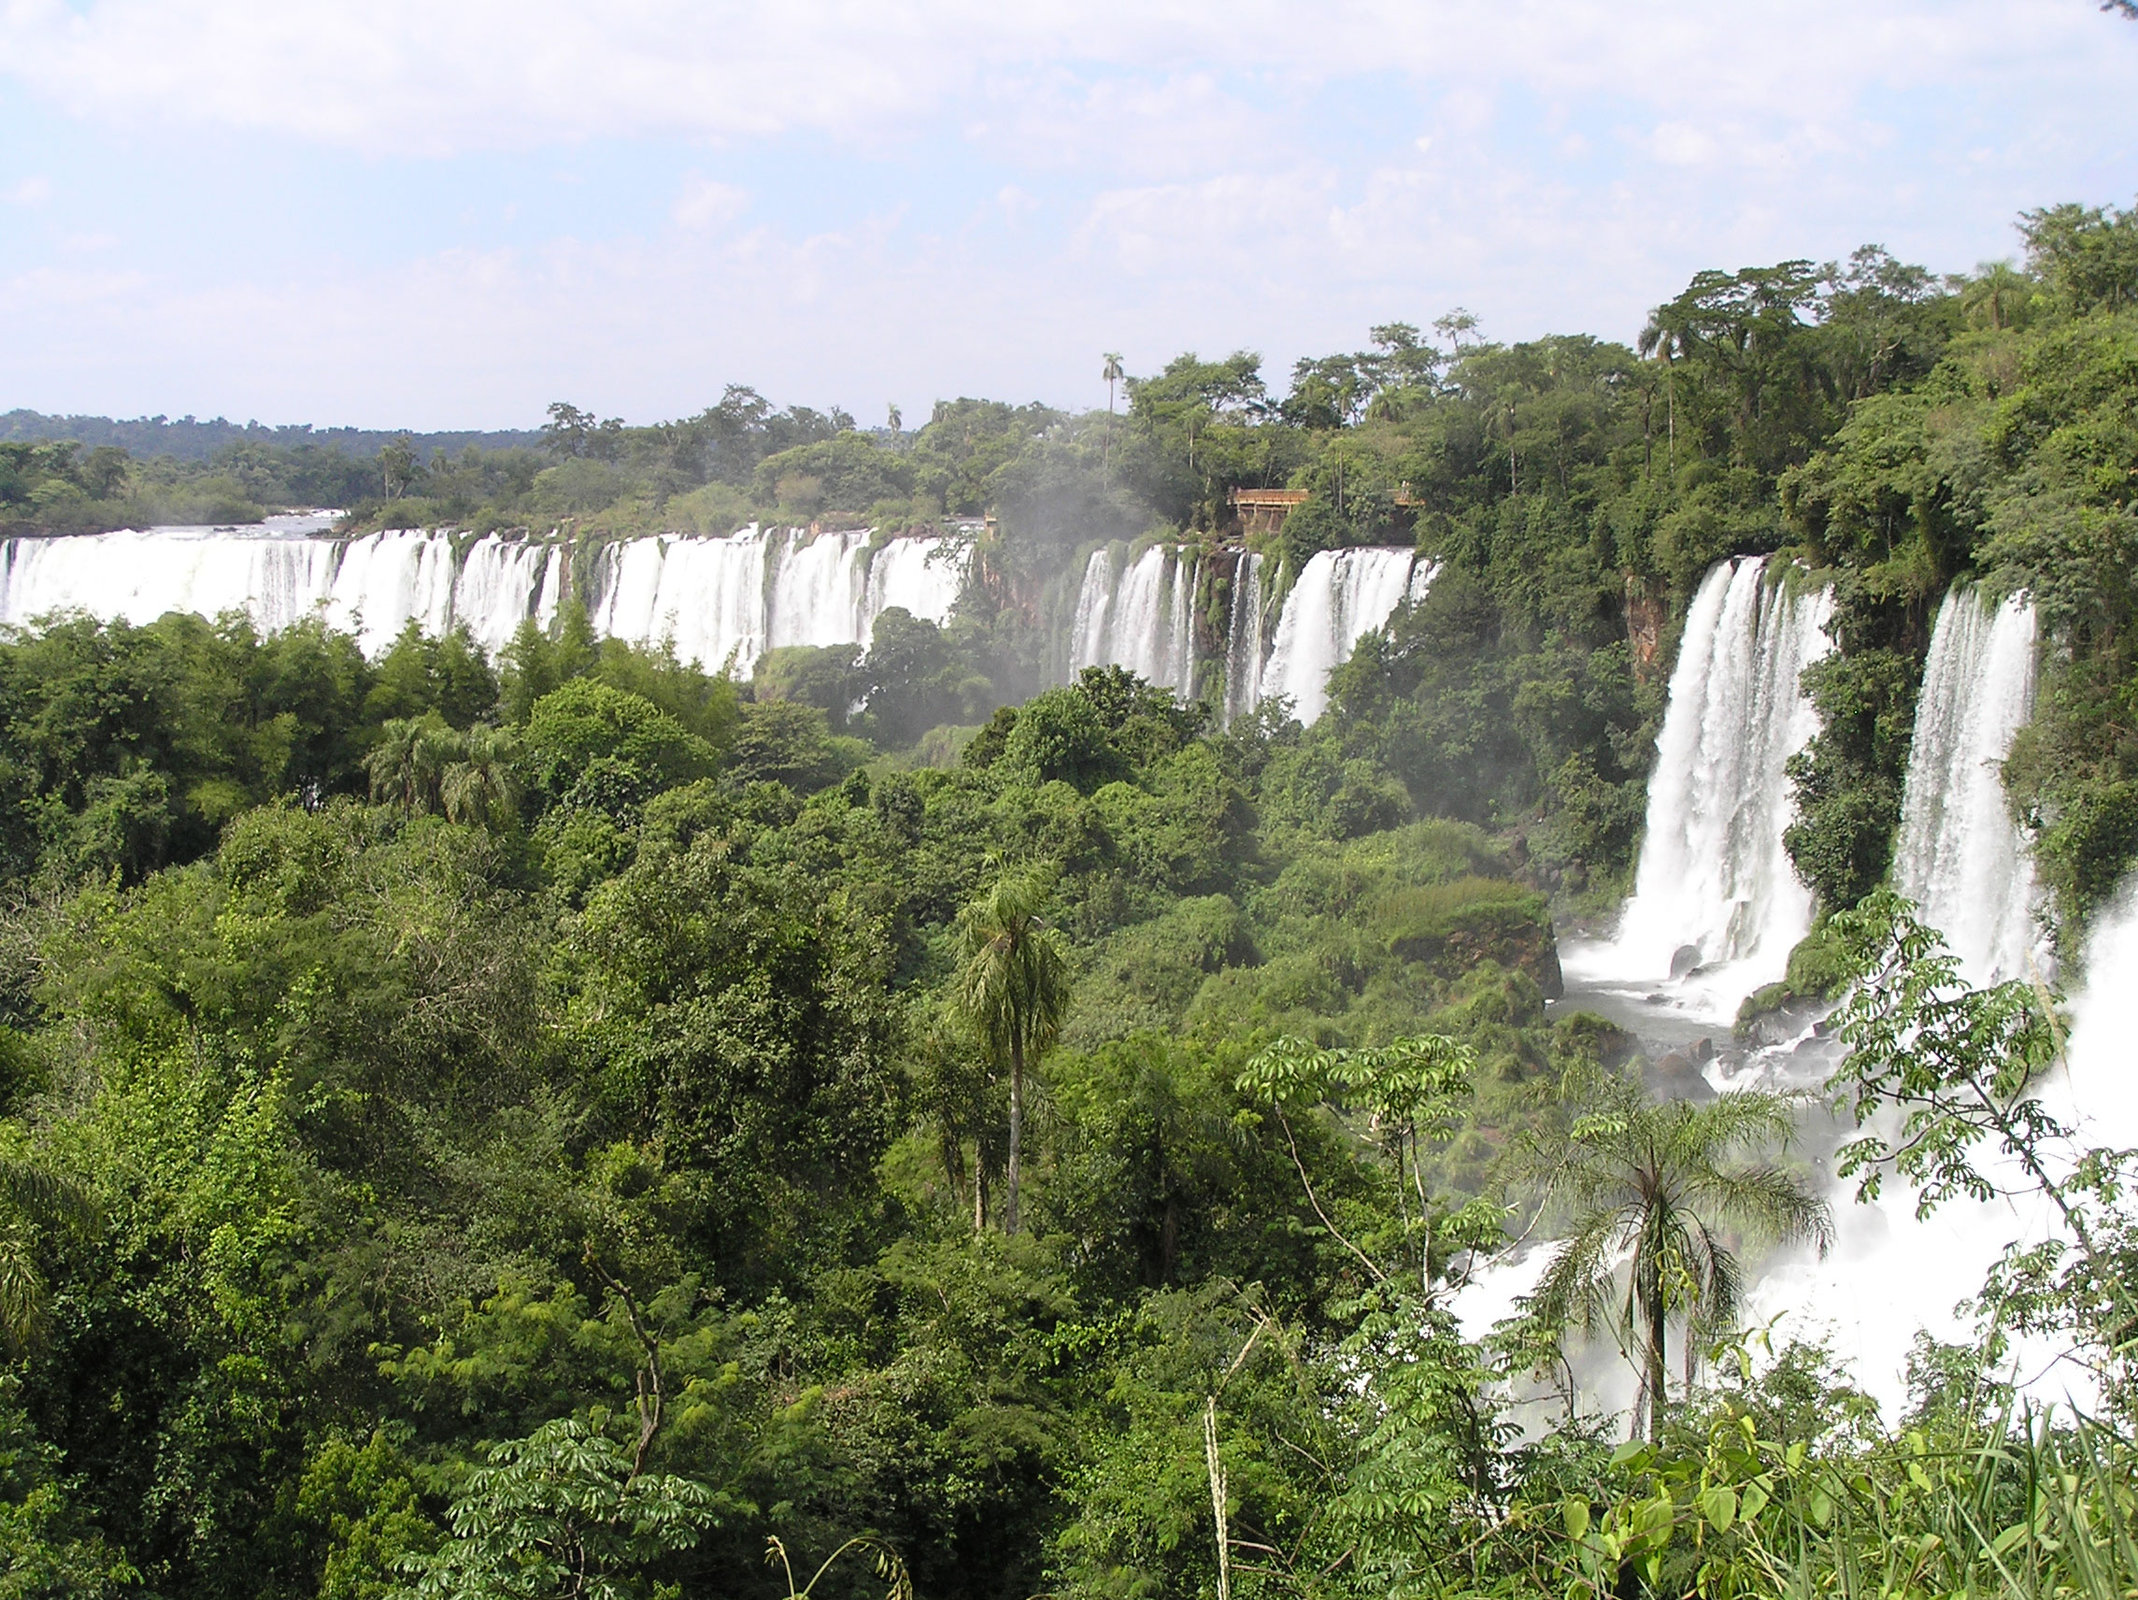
(706,204)
(1680,144)
(29,192)
(1147,177)
(437,76)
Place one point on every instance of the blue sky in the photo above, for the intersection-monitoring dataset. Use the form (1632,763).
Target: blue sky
(435,213)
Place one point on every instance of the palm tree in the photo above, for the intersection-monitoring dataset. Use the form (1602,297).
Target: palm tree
(1014,989)
(1996,296)
(408,764)
(480,787)
(1653,1190)
(1662,342)
(1112,372)
(31,1199)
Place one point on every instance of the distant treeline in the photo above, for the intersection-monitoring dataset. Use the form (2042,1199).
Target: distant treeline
(192,439)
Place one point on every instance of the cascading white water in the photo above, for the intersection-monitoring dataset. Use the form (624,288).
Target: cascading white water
(920,576)
(1713,875)
(137,576)
(704,596)
(1142,618)
(818,587)
(385,581)
(1339,596)
(1243,644)
(491,594)
(1958,854)
(710,597)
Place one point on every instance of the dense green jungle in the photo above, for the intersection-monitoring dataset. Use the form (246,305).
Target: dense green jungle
(570,1124)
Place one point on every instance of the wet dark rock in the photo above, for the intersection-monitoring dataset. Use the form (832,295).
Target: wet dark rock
(1684,961)
(1676,1076)
(1778,1024)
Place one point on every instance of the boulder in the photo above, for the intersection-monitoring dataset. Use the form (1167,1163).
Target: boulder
(1676,1076)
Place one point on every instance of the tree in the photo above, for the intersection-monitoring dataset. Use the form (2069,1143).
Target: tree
(398,466)
(1112,372)
(565,1512)
(408,765)
(1014,988)
(1996,296)
(1961,1066)
(1453,327)
(1651,1191)
(481,789)
(1410,1090)
(31,1200)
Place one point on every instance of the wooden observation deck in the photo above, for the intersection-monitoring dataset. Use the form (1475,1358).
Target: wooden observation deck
(1264,510)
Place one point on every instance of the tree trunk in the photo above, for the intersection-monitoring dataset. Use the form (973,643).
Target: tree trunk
(1658,1367)
(1011,1177)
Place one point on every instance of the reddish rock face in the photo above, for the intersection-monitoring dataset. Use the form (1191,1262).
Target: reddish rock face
(1644,628)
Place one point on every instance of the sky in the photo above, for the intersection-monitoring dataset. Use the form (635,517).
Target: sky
(448,213)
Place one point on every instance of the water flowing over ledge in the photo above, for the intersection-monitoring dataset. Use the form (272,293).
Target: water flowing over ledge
(725,600)
(1142,616)
(1713,877)
(1959,856)
(721,600)
(1717,904)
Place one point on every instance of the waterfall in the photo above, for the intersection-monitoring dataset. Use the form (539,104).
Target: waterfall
(922,576)
(818,586)
(717,599)
(1713,877)
(704,596)
(1141,618)
(1339,595)
(1243,639)
(136,577)
(1959,855)
(385,581)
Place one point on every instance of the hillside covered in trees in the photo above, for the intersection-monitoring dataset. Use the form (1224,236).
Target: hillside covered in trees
(548,1125)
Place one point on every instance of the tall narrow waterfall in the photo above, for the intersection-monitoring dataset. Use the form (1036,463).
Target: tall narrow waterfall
(1339,595)
(719,599)
(1141,618)
(1243,639)
(1959,856)
(1713,875)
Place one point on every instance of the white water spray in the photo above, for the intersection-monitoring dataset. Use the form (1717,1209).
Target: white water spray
(1243,642)
(1892,1275)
